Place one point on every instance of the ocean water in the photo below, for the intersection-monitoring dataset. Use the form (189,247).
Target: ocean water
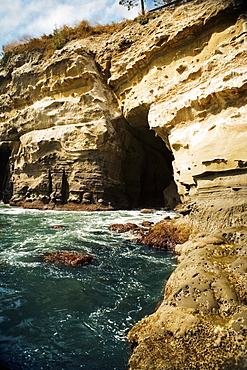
(57,317)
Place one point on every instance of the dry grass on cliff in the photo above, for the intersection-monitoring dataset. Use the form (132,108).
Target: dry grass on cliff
(28,44)
(47,44)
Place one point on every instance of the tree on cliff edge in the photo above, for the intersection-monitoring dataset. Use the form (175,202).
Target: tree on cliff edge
(131,3)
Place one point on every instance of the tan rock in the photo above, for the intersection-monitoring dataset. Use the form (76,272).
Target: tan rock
(182,75)
(67,138)
(201,323)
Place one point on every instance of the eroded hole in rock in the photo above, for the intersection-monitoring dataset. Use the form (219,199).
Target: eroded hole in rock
(148,173)
(5,185)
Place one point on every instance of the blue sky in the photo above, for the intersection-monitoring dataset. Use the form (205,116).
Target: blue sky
(37,17)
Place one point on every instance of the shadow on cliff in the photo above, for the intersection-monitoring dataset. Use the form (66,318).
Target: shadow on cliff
(5,185)
(148,171)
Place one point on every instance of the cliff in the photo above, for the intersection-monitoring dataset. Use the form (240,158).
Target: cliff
(65,141)
(85,126)
(151,115)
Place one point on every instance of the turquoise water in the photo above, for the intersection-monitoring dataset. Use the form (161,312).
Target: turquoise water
(56,317)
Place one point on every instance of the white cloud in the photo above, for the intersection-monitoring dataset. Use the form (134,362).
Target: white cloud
(35,18)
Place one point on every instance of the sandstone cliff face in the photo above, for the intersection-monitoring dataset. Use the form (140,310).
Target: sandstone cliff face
(190,81)
(68,140)
(79,123)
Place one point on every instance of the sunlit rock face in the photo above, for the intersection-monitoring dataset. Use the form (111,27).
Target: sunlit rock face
(205,120)
(68,139)
(56,113)
(190,82)
(115,118)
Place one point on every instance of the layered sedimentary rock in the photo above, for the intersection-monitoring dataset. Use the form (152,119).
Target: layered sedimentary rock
(68,142)
(84,121)
(190,82)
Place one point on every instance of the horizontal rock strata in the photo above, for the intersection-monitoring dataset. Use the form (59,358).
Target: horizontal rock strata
(63,138)
(75,128)
(191,82)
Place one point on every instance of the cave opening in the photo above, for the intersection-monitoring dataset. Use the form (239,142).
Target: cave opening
(5,186)
(148,171)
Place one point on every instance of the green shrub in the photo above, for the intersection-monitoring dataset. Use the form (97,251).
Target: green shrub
(61,37)
(143,20)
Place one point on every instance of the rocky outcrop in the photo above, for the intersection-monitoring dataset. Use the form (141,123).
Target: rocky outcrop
(165,235)
(123,228)
(191,83)
(76,127)
(67,140)
(202,322)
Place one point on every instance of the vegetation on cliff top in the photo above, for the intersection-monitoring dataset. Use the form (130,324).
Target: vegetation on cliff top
(47,44)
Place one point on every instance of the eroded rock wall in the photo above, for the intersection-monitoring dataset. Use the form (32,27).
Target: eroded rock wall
(69,141)
(87,127)
(202,322)
(190,82)
(90,113)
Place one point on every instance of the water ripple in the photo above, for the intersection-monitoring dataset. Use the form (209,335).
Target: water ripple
(58,317)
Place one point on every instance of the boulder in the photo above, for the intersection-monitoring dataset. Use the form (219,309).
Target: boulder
(202,321)
(69,258)
(123,228)
(165,235)
(146,210)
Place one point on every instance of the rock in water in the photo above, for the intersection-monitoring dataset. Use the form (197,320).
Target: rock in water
(165,235)
(123,228)
(70,258)
(146,210)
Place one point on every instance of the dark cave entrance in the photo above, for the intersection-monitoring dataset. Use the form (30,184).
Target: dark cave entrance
(148,171)
(5,186)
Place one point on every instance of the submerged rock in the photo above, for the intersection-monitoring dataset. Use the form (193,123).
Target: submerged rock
(123,228)
(146,211)
(70,258)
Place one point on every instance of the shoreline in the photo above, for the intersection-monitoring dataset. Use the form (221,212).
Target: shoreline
(77,207)
(202,320)
(61,207)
